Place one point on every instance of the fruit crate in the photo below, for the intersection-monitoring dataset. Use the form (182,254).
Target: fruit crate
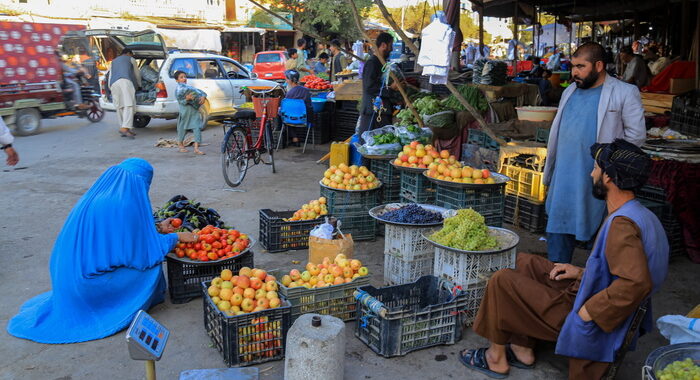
(335,300)
(390,178)
(489,201)
(250,338)
(527,161)
(185,278)
(415,188)
(525,182)
(407,255)
(439,89)
(352,209)
(672,227)
(344,123)
(276,235)
(685,114)
(477,137)
(419,315)
(524,213)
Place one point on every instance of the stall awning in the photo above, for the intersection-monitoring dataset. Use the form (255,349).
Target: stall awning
(198,39)
(243,29)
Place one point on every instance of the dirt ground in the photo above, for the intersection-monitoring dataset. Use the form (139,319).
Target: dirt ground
(58,165)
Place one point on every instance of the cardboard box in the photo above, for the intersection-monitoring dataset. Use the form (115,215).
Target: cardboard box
(657,103)
(681,86)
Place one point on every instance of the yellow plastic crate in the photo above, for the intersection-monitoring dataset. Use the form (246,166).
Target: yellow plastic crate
(340,153)
(524,182)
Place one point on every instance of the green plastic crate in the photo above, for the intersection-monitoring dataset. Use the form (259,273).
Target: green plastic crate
(415,188)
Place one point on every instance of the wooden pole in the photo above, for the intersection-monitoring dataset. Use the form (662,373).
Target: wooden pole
(399,85)
(450,86)
(555,36)
(515,37)
(481,31)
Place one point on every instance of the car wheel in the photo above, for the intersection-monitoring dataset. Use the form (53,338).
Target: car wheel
(27,121)
(141,121)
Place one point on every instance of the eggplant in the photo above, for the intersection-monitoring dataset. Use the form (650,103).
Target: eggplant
(177,198)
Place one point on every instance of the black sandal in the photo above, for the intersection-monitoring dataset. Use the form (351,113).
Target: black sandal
(478,358)
(514,361)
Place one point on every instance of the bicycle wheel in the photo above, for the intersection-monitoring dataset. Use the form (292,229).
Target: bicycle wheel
(234,156)
(268,157)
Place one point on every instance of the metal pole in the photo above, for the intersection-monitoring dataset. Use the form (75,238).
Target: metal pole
(515,37)
(150,370)
(481,32)
(555,35)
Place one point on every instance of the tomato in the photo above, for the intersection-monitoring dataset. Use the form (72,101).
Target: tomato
(203,258)
(233,234)
(180,245)
(216,244)
(237,247)
(176,222)
(206,230)
(210,239)
(179,253)
(212,256)
(198,246)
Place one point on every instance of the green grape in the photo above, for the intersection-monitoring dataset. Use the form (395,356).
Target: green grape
(680,370)
(466,231)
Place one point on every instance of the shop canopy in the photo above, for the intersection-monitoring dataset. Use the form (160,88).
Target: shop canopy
(196,39)
(576,10)
(244,29)
(547,36)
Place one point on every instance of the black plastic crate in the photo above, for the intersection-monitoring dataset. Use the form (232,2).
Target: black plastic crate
(250,338)
(652,193)
(664,211)
(685,114)
(276,235)
(439,89)
(415,188)
(346,105)
(524,213)
(335,300)
(344,124)
(419,315)
(477,137)
(489,201)
(542,135)
(352,209)
(321,130)
(185,279)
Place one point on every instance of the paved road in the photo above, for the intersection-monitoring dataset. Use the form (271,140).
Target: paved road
(68,155)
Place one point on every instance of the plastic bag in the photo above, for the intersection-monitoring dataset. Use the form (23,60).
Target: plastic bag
(323,231)
(444,119)
(371,146)
(368,136)
(409,134)
(679,329)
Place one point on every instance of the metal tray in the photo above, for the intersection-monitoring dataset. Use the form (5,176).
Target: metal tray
(499,178)
(506,239)
(350,191)
(378,211)
(187,260)
(410,170)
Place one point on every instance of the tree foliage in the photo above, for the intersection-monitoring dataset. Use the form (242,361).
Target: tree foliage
(328,18)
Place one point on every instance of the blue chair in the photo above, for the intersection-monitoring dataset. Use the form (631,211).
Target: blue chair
(293,113)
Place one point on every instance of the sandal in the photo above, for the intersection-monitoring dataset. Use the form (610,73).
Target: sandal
(199,152)
(476,360)
(514,361)
(127,135)
(183,150)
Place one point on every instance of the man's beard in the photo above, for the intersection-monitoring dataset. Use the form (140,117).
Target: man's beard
(599,190)
(588,81)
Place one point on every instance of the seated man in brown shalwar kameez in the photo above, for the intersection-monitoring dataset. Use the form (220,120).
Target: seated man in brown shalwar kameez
(586,311)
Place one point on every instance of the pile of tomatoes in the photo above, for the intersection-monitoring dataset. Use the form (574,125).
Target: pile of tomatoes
(214,244)
(315,83)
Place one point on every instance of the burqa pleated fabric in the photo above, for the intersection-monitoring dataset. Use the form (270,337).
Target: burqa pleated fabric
(105,264)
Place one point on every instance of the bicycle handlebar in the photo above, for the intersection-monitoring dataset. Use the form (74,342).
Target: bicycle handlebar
(261,91)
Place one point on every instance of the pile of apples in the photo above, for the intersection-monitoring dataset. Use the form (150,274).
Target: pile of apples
(315,83)
(417,155)
(328,273)
(252,290)
(344,177)
(310,211)
(214,244)
(460,174)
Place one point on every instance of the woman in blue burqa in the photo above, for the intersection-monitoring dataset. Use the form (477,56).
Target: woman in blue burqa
(106,262)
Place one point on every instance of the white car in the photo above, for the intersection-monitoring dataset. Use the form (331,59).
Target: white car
(221,78)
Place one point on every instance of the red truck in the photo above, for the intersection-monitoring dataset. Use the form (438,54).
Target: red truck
(32,85)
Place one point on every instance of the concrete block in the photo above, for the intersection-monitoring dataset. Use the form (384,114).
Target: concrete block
(315,352)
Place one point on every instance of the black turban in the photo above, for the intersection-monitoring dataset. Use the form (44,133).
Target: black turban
(625,163)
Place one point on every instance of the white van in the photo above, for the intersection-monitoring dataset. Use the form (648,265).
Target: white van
(221,78)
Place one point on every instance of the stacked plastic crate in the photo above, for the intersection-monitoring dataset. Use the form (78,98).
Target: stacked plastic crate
(525,192)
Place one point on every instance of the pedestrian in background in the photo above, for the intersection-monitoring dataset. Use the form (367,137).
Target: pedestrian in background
(6,140)
(190,100)
(124,79)
(337,60)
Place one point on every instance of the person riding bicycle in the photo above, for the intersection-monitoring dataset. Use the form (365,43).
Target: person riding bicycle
(296,91)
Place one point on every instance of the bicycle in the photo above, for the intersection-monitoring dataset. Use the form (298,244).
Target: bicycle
(237,148)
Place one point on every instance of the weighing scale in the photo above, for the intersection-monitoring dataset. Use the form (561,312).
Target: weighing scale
(146,339)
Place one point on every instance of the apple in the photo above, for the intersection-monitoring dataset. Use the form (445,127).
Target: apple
(275,302)
(234,281)
(247,305)
(486,173)
(295,274)
(363,271)
(260,274)
(245,271)
(314,270)
(226,274)
(236,299)
(271,294)
(306,276)
(286,280)
(347,272)
(329,278)
(243,282)
(224,305)
(235,309)
(217,281)
(255,283)
(260,293)
(263,302)
(226,285)
(216,300)
(270,278)
(271,286)
(249,293)
(213,291)
(355,264)
(238,290)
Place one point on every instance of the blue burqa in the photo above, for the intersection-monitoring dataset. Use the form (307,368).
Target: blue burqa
(105,264)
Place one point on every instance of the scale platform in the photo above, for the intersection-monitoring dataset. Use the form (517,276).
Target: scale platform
(250,373)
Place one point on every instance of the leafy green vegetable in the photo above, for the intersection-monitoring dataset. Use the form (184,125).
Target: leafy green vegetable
(428,105)
(471,94)
(405,117)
